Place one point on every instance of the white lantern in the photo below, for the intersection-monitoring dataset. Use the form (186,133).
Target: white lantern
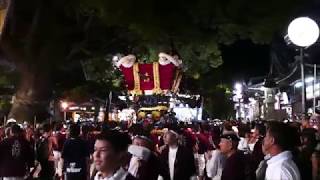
(303,31)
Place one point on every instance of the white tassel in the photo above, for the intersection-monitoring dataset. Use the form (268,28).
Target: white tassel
(126,61)
(139,151)
(165,59)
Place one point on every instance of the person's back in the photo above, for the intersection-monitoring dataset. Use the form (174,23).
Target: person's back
(16,155)
(303,155)
(234,167)
(60,138)
(75,154)
(45,153)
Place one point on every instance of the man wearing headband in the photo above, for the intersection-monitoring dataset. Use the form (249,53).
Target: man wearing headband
(144,164)
(177,162)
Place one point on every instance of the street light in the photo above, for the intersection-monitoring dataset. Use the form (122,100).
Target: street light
(303,32)
(238,86)
(64,106)
(309,79)
(238,95)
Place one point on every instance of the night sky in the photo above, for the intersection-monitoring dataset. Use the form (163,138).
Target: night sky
(244,60)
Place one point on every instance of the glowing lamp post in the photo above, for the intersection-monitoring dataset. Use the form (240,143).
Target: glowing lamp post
(64,106)
(303,32)
(238,96)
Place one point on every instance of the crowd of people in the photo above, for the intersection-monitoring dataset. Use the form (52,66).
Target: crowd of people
(260,150)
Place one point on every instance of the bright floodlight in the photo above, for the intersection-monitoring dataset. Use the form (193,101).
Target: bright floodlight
(238,86)
(303,31)
(64,105)
(298,85)
(115,58)
(308,79)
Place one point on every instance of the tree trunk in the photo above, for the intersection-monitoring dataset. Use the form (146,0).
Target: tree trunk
(32,94)
(34,39)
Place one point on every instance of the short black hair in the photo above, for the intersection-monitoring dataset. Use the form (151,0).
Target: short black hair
(46,127)
(15,129)
(119,141)
(58,126)
(261,128)
(85,129)
(284,135)
(74,130)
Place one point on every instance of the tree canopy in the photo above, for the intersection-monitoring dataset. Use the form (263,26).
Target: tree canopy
(43,37)
(193,29)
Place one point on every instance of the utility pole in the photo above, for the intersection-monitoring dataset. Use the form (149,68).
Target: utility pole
(303,89)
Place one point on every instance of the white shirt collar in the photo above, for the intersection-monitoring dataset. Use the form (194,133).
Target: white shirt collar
(280,157)
(171,159)
(173,148)
(267,157)
(121,174)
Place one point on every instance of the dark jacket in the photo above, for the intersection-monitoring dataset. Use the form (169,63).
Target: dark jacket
(130,177)
(75,151)
(235,167)
(16,155)
(150,169)
(184,165)
(257,155)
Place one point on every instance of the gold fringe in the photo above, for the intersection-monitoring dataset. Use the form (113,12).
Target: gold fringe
(176,82)
(136,90)
(156,108)
(3,14)
(156,79)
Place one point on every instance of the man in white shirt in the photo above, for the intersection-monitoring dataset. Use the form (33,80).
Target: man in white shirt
(172,157)
(215,164)
(177,162)
(110,151)
(277,143)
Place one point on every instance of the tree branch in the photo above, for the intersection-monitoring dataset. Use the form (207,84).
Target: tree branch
(77,48)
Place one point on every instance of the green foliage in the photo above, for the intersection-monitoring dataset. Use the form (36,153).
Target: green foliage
(215,90)
(5,105)
(102,71)
(79,93)
(8,78)
(218,102)
(4,80)
(195,29)
(96,29)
